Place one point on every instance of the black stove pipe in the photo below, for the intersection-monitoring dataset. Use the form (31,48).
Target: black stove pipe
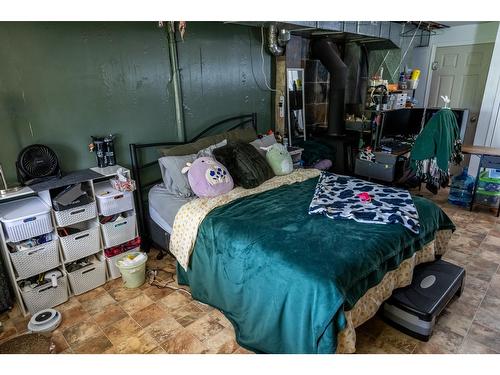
(327,52)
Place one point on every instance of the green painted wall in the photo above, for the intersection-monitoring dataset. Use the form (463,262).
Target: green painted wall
(60,83)
(221,75)
(376,59)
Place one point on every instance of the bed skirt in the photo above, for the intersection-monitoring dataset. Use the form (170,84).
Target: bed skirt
(368,305)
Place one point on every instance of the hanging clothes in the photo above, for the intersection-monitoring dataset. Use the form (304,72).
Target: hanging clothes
(435,147)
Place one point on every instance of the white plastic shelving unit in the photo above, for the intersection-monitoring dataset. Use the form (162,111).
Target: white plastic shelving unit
(74,251)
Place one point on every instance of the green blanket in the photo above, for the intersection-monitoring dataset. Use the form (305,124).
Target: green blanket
(283,277)
(437,140)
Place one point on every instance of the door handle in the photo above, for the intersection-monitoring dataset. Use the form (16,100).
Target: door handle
(473,118)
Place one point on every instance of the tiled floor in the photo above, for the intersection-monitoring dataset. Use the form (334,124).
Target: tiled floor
(112,319)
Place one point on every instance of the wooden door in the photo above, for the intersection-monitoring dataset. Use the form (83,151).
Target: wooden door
(460,72)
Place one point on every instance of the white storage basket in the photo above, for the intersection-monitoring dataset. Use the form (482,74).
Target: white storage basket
(119,231)
(46,296)
(25,218)
(76,214)
(36,260)
(88,277)
(81,244)
(111,201)
(114,271)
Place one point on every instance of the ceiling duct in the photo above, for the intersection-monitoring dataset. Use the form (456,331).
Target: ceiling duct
(277,40)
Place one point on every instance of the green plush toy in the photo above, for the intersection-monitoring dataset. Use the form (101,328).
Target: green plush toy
(279,159)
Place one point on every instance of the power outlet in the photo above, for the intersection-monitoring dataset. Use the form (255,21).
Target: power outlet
(282,106)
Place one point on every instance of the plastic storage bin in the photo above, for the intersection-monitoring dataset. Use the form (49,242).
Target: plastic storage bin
(36,260)
(25,218)
(488,190)
(494,173)
(383,171)
(76,215)
(113,270)
(487,198)
(46,296)
(81,244)
(119,231)
(488,183)
(111,201)
(72,196)
(462,187)
(89,277)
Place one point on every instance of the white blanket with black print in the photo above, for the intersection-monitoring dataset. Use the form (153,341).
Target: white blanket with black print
(338,197)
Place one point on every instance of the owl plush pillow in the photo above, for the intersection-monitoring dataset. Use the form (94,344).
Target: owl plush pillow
(208,178)
(279,159)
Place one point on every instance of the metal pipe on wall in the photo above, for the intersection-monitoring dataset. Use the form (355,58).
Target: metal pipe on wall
(272,41)
(176,82)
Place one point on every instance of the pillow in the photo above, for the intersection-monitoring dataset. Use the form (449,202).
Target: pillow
(279,159)
(248,168)
(239,134)
(193,147)
(171,171)
(208,178)
(208,152)
(180,150)
(245,135)
(265,141)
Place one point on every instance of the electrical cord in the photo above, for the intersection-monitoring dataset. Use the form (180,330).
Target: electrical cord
(407,49)
(155,280)
(262,63)
(382,63)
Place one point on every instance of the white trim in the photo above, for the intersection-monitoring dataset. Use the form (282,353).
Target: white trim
(429,75)
(493,119)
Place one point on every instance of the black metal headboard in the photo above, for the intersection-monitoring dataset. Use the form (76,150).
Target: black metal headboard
(138,167)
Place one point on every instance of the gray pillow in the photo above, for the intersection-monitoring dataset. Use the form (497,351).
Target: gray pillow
(209,151)
(265,141)
(171,171)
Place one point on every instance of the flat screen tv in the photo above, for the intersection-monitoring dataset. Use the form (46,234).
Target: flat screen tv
(406,122)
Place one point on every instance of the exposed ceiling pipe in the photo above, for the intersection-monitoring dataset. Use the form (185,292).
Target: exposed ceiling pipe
(277,40)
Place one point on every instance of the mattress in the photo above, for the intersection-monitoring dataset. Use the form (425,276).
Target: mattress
(163,206)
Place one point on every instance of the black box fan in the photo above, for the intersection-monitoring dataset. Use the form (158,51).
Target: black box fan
(37,163)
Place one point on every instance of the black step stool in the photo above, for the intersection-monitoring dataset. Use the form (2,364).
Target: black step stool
(413,309)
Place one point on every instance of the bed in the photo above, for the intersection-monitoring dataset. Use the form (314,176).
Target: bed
(155,207)
(163,206)
(290,282)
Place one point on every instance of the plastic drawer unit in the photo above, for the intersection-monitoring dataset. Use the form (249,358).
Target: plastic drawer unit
(37,259)
(25,218)
(111,201)
(119,231)
(47,295)
(81,244)
(88,277)
(76,215)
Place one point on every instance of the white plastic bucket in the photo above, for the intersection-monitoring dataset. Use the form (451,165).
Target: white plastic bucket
(133,275)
